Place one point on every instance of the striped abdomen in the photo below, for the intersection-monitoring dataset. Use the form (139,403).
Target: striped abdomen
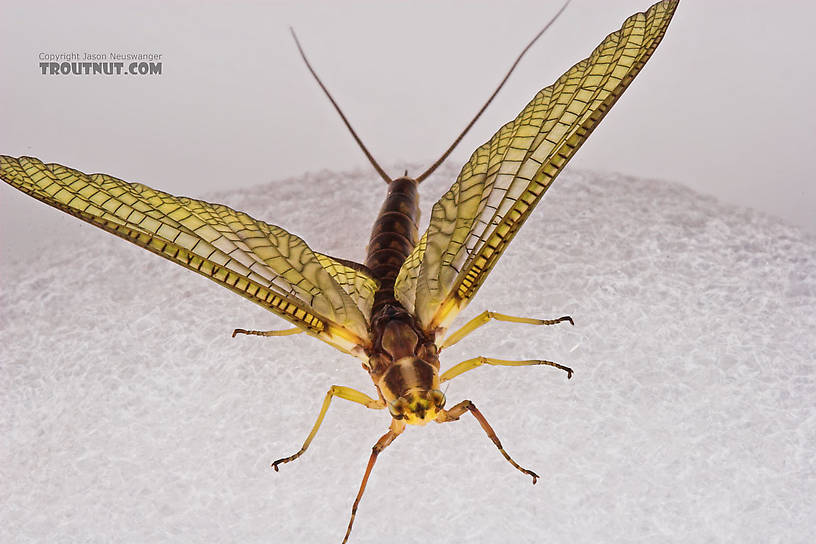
(393,237)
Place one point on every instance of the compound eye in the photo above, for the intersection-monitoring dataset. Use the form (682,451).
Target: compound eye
(438,398)
(398,408)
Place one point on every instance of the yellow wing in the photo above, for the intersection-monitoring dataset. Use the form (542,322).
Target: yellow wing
(261,262)
(472,224)
(359,285)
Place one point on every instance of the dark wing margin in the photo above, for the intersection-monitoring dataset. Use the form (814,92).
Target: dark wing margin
(472,224)
(259,261)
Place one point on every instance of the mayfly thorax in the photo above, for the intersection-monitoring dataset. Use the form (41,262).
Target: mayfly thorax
(394,311)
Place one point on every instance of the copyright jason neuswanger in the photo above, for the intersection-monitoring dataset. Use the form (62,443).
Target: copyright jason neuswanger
(99,64)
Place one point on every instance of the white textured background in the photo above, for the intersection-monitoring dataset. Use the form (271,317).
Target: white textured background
(128,414)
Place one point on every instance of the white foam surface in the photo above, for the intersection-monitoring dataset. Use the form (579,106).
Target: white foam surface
(129,414)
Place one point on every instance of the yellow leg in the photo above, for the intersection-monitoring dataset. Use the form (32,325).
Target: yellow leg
(285,332)
(335,391)
(470,364)
(394,431)
(454,413)
(487,315)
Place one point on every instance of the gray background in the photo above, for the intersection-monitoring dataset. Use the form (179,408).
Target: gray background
(130,415)
(725,106)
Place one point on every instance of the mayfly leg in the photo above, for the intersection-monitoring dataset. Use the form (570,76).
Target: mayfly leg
(476,362)
(487,315)
(396,429)
(284,332)
(335,391)
(454,413)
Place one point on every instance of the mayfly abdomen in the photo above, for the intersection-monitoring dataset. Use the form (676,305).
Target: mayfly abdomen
(393,237)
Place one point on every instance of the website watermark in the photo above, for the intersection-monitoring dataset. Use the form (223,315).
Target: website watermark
(101,64)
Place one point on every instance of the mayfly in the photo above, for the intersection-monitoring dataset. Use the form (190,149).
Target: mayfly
(394,311)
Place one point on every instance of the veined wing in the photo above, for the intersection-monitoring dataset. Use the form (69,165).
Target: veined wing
(472,224)
(355,280)
(261,262)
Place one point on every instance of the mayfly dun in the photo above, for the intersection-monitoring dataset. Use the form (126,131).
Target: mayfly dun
(393,312)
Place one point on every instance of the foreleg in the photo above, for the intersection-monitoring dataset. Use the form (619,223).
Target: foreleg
(396,429)
(454,413)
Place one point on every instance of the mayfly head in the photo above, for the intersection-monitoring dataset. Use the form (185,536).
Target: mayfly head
(417,406)
(410,387)
(391,310)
